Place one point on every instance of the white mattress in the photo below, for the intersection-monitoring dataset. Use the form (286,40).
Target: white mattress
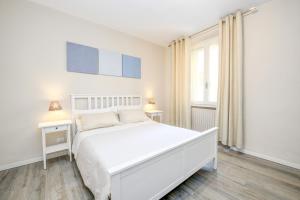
(124,145)
(111,150)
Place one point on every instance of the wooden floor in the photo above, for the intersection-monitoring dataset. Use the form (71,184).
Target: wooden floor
(238,177)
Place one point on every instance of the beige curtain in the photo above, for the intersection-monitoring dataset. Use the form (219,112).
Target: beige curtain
(180,111)
(230,95)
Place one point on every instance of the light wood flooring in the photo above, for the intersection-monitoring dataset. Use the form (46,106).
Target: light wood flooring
(238,177)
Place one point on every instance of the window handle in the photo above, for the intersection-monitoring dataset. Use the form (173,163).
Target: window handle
(206,85)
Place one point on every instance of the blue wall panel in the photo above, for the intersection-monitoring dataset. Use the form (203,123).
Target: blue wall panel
(110,63)
(82,59)
(131,66)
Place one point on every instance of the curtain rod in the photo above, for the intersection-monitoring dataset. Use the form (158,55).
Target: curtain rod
(247,12)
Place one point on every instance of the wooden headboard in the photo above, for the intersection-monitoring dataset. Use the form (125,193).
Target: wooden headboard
(83,104)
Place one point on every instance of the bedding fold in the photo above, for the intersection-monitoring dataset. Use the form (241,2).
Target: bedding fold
(93,171)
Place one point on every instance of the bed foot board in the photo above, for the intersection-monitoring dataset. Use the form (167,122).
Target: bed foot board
(156,177)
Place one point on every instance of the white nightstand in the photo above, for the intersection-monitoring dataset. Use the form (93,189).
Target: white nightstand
(51,127)
(156,115)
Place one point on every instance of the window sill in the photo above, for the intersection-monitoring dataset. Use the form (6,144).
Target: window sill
(208,106)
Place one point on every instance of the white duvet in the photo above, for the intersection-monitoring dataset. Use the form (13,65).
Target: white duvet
(100,153)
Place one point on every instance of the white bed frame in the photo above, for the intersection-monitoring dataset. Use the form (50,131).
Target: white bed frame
(154,177)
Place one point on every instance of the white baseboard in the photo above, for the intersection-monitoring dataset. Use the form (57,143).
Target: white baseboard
(30,161)
(269,158)
(20,163)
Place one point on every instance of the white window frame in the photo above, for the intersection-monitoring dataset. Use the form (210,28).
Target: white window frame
(205,44)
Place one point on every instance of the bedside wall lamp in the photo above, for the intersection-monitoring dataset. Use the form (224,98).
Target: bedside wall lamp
(151,101)
(54,106)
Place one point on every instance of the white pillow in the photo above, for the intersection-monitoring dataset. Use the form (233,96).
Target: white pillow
(78,125)
(97,120)
(130,116)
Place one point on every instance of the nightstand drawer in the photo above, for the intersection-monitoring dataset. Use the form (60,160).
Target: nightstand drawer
(56,128)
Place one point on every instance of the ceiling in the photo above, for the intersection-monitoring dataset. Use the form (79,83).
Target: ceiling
(157,21)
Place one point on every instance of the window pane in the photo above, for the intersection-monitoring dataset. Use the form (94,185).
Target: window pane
(197,75)
(213,72)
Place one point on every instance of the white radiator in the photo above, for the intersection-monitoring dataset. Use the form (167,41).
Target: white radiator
(203,118)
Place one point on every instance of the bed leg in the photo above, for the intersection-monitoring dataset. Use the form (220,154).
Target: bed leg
(215,163)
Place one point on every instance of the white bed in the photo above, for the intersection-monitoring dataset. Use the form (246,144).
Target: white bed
(141,161)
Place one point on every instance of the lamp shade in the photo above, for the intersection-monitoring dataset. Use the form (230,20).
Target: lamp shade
(151,101)
(54,105)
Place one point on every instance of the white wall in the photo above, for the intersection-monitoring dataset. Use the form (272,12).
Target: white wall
(272,81)
(33,71)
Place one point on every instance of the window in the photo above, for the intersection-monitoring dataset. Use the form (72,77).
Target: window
(204,72)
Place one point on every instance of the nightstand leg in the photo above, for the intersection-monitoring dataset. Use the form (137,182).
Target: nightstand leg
(70,154)
(44,148)
(44,162)
(69,143)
